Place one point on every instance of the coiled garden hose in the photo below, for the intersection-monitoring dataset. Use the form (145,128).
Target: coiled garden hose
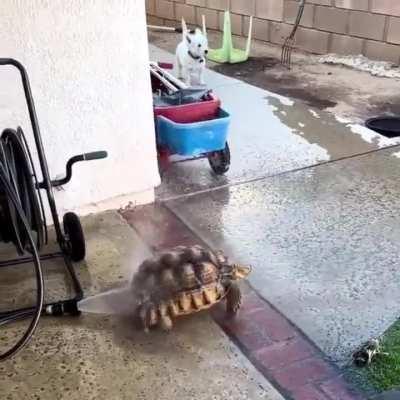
(20,215)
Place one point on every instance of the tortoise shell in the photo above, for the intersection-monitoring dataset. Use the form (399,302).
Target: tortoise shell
(182,281)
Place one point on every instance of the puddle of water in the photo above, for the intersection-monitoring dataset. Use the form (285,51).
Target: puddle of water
(338,138)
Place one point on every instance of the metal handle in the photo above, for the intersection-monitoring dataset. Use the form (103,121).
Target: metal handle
(298,17)
(168,29)
(164,28)
(95,155)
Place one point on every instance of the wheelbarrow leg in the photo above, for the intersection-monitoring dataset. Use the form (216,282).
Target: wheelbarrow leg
(163,160)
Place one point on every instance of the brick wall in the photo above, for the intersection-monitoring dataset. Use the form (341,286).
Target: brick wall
(369,27)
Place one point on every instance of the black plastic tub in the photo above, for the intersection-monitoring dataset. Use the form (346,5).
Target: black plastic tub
(386,126)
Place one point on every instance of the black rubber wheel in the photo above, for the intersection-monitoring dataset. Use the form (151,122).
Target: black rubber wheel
(75,237)
(220,161)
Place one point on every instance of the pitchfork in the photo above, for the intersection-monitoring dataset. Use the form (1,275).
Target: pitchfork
(290,40)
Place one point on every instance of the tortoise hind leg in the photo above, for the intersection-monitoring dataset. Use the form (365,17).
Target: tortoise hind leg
(233,298)
(166,323)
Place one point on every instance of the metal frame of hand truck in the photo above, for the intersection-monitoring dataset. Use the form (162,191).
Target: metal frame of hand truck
(61,307)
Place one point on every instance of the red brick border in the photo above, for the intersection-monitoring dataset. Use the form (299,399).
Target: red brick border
(273,344)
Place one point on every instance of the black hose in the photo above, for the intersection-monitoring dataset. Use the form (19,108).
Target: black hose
(16,185)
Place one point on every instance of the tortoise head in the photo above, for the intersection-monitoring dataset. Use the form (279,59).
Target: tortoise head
(239,271)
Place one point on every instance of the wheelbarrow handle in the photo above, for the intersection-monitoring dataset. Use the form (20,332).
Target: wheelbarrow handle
(168,29)
(164,28)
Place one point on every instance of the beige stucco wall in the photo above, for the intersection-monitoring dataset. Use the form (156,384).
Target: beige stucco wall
(369,27)
(88,65)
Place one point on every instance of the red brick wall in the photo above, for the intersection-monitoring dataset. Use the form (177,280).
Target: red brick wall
(369,27)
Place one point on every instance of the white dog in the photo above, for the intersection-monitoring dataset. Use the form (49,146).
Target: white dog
(191,56)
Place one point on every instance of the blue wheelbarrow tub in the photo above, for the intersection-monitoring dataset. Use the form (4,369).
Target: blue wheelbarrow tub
(195,138)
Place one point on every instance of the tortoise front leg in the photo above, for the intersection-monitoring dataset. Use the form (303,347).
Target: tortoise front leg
(148,316)
(165,320)
(233,298)
(142,314)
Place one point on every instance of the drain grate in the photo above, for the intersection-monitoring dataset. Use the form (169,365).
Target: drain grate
(386,126)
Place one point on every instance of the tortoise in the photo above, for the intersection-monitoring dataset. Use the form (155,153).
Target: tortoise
(183,281)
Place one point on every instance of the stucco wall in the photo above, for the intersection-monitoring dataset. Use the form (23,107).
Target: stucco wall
(369,27)
(87,61)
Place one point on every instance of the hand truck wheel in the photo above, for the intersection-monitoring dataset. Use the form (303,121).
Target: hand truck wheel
(75,237)
(220,160)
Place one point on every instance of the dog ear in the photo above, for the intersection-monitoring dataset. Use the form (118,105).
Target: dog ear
(203,23)
(184,27)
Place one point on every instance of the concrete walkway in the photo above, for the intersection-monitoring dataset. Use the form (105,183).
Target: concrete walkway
(269,134)
(321,228)
(323,242)
(318,221)
(102,357)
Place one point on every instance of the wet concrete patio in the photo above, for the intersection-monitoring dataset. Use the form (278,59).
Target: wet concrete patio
(269,134)
(323,243)
(310,200)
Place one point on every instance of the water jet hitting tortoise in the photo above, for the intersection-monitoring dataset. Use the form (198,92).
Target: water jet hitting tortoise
(183,281)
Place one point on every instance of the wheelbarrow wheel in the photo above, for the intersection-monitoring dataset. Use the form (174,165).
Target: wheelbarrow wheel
(220,160)
(75,237)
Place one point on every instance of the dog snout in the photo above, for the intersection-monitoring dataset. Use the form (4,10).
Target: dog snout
(205,51)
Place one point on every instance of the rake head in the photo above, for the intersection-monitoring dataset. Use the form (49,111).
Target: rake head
(290,41)
(287,48)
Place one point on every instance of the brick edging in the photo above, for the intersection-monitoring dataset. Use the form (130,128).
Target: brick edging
(276,347)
